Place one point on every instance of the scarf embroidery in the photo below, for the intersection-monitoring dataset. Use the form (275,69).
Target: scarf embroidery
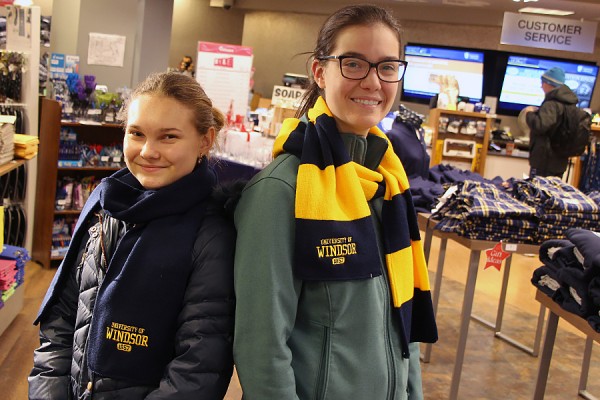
(335,237)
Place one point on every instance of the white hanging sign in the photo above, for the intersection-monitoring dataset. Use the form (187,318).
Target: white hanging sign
(224,72)
(104,49)
(548,32)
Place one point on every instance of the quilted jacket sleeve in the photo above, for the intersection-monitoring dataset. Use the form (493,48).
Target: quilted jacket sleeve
(545,121)
(203,362)
(50,377)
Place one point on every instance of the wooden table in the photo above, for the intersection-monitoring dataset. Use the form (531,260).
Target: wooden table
(556,312)
(475,247)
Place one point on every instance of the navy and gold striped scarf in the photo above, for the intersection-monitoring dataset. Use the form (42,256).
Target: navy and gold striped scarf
(335,236)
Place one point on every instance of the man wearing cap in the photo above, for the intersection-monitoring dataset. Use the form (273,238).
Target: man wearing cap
(544,120)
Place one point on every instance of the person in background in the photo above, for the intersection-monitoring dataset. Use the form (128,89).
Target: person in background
(186,66)
(544,120)
(332,287)
(142,306)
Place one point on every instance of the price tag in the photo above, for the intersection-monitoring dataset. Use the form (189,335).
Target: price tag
(510,247)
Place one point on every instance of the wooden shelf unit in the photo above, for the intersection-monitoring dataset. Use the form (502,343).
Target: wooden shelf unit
(434,121)
(49,173)
(577,160)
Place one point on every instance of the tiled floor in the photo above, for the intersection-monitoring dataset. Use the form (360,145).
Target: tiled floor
(492,368)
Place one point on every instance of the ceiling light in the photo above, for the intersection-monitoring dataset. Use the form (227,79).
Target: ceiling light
(525,1)
(466,3)
(545,11)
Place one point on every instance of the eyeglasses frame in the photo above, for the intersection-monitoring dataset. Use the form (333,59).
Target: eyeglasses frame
(371,65)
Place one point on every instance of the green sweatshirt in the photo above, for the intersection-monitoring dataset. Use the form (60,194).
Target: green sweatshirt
(333,340)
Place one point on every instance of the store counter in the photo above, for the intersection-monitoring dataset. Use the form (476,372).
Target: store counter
(506,166)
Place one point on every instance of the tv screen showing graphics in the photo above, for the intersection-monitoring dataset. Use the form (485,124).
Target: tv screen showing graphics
(522,85)
(431,69)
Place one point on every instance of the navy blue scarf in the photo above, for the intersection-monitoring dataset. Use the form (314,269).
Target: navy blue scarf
(135,316)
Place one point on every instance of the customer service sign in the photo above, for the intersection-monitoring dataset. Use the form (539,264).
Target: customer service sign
(548,32)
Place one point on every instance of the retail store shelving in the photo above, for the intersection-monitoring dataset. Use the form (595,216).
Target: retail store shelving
(439,120)
(577,160)
(49,172)
(14,303)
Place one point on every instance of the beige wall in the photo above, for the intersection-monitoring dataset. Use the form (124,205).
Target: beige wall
(195,20)
(45,7)
(277,40)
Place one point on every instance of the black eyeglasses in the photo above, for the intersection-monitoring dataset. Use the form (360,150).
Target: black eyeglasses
(357,68)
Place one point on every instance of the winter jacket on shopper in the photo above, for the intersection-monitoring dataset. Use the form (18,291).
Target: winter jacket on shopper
(319,339)
(200,360)
(542,124)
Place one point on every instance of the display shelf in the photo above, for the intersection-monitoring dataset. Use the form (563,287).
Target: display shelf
(90,123)
(50,173)
(440,137)
(88,169)
(9,166)
(12,307)
(30,48)
(577,160)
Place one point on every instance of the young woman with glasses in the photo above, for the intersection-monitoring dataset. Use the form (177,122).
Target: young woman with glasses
(330,278)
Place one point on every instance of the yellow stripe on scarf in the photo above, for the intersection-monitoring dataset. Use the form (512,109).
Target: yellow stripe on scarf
(287,127)
(403,281)
(328,194)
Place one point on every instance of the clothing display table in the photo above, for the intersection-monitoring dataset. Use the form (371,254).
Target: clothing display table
(475,247)
(556,312)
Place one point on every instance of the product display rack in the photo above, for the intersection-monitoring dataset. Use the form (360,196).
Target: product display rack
(440,135)
(30,48)
(13,305)
(49,172)
(577,160)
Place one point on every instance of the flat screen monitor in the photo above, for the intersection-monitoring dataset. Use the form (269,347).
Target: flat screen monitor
(522,81)
(429,65)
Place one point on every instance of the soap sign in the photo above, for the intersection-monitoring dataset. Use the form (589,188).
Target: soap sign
(286,97)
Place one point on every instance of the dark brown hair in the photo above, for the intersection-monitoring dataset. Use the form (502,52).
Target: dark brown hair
(355,15)
(187,91)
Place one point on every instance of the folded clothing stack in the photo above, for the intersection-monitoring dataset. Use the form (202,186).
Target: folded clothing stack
(26,146)
(8,281)
(7,146)
(571,273)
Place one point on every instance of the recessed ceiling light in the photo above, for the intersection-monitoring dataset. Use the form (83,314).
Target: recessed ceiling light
(545,11)
(525,1)
(466,3)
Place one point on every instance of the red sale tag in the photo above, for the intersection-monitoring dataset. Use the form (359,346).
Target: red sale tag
(495,256)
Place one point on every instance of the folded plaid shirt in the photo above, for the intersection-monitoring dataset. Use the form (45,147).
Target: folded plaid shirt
(550,194)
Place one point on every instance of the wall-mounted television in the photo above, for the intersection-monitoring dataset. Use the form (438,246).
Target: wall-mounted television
(521,85)
(426,64)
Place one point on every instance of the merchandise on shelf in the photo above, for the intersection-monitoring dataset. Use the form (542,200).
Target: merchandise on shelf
(12,270)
